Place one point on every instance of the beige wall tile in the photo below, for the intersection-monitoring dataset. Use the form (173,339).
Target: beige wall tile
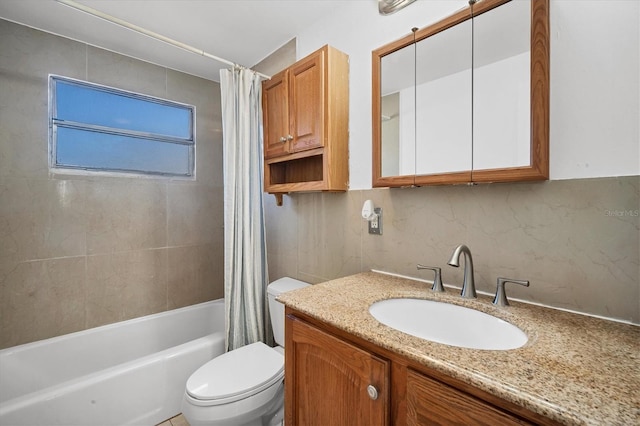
(329,234)
(195,214)
(283,266)
(566,239)
(125,215)
(41,299)
(577,241)
(125,285)
(196,274)
(32,55)
(41,219)
(123,72)
(282,236)
(420,226)
(28,57)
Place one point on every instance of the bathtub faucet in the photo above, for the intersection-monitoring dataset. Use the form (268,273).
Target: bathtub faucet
(468,284)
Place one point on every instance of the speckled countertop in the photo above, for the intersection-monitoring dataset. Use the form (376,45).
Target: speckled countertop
(574,369)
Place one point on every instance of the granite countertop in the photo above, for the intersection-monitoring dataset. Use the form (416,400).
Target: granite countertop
(574,369)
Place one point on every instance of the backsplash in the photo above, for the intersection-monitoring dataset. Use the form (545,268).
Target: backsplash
(78,252)
(576,241)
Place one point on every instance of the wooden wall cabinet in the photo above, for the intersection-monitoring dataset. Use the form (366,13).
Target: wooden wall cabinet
(465,99)
(306,125)
(328,373)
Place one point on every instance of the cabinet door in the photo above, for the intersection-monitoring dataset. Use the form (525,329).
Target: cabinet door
(430,402)
(306,103)
(275,107)
(327,380)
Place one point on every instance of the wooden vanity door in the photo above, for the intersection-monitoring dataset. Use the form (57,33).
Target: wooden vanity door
(430,402)
(327,380)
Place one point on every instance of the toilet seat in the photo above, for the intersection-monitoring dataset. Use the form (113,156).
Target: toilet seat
(236,375)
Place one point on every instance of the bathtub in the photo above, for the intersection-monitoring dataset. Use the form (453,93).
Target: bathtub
(129,373)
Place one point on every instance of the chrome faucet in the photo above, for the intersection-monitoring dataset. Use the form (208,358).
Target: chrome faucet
(437,280)
(468,284)
(500,298)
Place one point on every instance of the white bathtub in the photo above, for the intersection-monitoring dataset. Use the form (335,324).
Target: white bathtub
(129,373)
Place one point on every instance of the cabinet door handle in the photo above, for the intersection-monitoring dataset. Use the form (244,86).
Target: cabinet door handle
(283,139)
(373,392)
(289,137)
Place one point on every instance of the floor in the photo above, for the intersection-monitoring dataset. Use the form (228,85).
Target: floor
(178,420)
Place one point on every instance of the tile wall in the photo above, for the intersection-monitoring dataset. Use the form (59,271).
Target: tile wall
(577,241)
(78,252)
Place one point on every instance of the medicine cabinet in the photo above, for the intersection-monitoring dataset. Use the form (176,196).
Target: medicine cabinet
(465,99)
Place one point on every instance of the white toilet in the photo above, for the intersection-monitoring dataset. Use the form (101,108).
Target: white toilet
(244,386)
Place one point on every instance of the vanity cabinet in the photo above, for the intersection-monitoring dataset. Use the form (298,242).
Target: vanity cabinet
(435,403)
(329,374)
(305,124)
(329,381)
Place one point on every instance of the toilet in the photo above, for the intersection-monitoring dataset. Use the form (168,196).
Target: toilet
(244,386)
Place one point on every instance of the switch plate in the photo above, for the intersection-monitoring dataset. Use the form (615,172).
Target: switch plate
(375,225)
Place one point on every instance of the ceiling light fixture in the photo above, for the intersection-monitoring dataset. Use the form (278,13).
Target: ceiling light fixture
(387,7)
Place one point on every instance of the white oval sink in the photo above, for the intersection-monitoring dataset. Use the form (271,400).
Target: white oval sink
(449,324)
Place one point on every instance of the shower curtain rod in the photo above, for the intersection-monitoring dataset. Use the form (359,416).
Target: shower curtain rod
(148,33)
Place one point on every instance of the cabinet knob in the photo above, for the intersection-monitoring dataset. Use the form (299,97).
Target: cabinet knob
(373,392)
(289,137)
(283,139)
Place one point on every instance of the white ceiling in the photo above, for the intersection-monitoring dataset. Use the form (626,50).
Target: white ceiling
(241,31)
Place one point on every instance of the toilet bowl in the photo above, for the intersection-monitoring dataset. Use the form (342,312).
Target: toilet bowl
(244,386)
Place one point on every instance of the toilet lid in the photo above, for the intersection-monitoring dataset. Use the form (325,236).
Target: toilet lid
(237,374)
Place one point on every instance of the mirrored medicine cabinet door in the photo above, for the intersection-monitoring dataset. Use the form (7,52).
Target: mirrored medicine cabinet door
(465,99)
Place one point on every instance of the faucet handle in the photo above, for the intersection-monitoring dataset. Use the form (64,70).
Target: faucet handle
(437,281)
(500,298)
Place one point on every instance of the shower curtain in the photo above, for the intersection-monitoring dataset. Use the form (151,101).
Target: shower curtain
(245,271)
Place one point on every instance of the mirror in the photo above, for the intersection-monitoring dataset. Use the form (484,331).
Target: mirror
(444,85)
(397,72)
(501,76)
(465,100)
(398,127)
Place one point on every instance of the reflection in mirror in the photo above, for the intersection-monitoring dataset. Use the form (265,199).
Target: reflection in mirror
(501,88)
(443,101)
(390,107)
(397,105)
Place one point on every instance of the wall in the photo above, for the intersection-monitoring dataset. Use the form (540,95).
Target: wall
(576,237)
(575,240)
(78,252)
(595,88)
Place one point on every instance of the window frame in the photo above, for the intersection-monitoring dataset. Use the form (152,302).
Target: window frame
(54,123)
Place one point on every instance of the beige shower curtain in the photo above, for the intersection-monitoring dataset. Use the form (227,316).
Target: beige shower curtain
(245,274)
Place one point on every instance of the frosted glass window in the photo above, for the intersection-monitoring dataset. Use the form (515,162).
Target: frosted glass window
(98,128)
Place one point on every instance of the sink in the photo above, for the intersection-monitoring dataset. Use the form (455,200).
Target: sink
(449,324)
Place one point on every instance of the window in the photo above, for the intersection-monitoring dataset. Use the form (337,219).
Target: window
(102,129)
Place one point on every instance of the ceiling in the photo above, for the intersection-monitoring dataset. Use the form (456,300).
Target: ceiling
(241,31)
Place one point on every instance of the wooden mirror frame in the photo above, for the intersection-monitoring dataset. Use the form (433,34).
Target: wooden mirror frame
(539,97)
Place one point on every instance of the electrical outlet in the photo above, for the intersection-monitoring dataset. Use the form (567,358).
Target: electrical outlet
(375,225)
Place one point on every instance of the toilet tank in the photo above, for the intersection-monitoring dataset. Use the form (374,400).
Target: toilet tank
(276,309)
